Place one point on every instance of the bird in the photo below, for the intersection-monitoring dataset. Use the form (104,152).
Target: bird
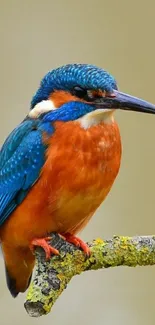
(59,164)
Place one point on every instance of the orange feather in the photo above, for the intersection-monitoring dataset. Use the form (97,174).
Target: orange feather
(60,97)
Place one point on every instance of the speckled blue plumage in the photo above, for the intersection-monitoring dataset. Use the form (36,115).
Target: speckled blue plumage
(71,75)
(21,159)
(68,112)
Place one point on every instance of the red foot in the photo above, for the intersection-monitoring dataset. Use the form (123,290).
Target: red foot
(42,242)
(77,242)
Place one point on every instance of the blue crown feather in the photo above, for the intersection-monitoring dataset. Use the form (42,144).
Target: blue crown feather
(71,75)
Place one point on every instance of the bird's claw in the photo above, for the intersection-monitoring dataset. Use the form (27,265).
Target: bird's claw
(43,242)
(77,242)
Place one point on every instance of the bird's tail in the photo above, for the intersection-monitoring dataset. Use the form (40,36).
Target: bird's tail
(19,264)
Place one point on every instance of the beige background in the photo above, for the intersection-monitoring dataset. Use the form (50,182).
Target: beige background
(36,36)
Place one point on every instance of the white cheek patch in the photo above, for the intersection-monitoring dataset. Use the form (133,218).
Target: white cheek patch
(96,117)
(43,107)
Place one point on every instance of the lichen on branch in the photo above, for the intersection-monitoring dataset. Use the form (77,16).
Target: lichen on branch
(51,277)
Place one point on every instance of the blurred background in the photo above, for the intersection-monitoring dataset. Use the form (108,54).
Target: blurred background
(37,36)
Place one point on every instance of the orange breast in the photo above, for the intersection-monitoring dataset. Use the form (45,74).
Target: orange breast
(80,169)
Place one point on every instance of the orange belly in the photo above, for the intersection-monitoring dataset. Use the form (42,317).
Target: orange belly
(80,169)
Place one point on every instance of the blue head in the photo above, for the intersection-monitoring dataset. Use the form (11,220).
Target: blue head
(83,89)
(69,76)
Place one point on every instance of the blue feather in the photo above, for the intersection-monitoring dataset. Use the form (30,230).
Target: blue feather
(68,112)
(7,210)
(14,139)
(21,159)
(5,200)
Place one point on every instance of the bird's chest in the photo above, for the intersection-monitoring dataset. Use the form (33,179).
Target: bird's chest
(81,165)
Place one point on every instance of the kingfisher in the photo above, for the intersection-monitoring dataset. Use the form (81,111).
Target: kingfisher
(59,164)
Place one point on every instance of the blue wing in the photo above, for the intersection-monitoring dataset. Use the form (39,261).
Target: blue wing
(21,159)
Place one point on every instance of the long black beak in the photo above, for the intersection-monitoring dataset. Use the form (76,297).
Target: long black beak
(125,102)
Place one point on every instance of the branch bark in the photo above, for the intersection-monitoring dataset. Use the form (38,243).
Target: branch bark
(51,277)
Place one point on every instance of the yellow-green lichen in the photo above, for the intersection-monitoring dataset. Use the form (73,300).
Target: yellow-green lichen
(118,251)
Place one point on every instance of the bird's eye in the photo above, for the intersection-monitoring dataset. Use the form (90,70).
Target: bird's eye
(80,92)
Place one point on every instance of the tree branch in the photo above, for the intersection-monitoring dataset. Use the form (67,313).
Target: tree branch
(51,277)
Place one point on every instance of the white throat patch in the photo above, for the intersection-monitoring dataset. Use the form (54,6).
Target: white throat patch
(96,117)
(43,107)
